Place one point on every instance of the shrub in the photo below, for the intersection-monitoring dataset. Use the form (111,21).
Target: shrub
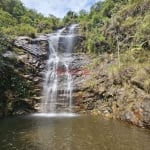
(21,30)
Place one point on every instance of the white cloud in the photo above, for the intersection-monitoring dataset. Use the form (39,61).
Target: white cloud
(58,7)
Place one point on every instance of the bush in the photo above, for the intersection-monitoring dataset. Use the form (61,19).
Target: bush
(21,30)
(6,19)
(5,43)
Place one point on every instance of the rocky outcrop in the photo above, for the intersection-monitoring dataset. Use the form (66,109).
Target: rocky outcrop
(37,47)
(116,93)
(22,75)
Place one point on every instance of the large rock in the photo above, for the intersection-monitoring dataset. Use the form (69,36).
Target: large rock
(37,47)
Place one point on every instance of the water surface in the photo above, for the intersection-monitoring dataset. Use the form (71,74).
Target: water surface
(70,132)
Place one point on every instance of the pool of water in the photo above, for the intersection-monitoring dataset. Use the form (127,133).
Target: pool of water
(70,132)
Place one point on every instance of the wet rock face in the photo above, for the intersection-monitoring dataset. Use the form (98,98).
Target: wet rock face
(37,47)
(35,54)
(79,73)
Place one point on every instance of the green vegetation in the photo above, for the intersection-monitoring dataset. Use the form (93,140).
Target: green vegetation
(121,29)
(16,19)
(108,24)
(114,24)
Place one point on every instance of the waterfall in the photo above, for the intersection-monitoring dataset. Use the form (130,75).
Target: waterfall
(58,81)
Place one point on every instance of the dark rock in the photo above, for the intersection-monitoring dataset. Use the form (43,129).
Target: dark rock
(90,106)
(33,46)
(21,107)
(138,83)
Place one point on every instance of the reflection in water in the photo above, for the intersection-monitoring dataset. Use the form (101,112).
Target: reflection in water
(70,133)
(55,137)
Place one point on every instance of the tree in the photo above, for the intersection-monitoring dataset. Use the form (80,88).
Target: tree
(97,6)
(82,13)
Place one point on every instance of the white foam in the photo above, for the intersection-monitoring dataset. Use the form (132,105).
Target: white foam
(48,115)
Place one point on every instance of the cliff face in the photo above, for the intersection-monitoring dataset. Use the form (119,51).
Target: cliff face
(119,85)
(22,76)
(122,93)
(26,67)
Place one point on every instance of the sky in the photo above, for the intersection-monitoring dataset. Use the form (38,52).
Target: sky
(58,7)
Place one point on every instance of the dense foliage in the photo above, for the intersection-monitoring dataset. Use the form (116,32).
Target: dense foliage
(16,19)
(109,23)
(114,24)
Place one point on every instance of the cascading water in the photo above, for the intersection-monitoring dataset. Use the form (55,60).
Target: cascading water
(58,84)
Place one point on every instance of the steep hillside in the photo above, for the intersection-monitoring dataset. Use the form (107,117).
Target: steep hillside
(118,33)
(16,19)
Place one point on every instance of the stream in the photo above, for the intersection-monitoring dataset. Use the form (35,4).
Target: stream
(70,132)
